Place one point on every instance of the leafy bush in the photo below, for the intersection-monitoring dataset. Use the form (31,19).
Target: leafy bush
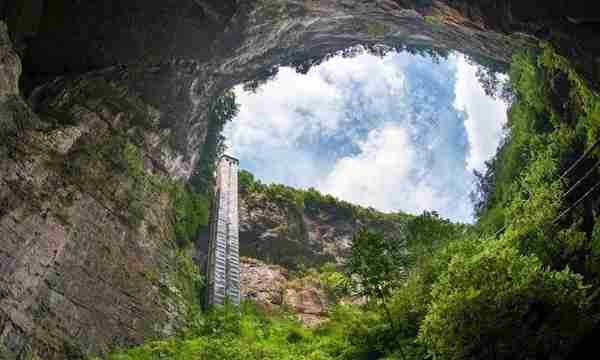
(426,233)
(504,305)
(191,212)
(230,333)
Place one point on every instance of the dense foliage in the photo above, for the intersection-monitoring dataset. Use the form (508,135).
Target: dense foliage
(221,110)
(376,265)
(549,217)
(249,333)
(520,284)
(313,202)
(190,209)
(191,212)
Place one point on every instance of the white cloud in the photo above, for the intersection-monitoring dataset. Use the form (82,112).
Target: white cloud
(378,132)
(380,175)
(486,116)
(392,172)
(275,124)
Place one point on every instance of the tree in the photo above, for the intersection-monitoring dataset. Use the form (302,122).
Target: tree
(246,181)
(376,264)
(501,304)
(489,74)
(426,233)
(482,196)
(376,267)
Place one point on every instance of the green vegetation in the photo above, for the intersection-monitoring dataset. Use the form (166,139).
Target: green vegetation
(3,351)
(426,233)
(134,166)
(520,284)
(376,265)
(548,249)
(490,76)
(499,303)
(353,332)
(190,209)
(191,212)
(313,202)
(191,202)
(231,334)
(184,284)
(376,268)
(221,110)
(249,333)
(329,277)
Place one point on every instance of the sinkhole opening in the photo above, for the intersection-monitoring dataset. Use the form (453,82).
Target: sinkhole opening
(397,131)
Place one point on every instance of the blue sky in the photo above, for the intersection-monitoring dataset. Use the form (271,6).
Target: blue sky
(395,133)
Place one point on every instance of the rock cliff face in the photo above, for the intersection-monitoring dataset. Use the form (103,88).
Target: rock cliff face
(271,287)
(286,231)
(281,233)
(112,102)
(87,260)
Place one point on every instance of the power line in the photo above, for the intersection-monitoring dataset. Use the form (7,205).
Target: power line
(577,202)
(565,173)
(590,171)
(588,193)
(581,158)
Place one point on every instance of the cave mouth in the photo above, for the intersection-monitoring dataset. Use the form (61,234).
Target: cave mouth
(394,130)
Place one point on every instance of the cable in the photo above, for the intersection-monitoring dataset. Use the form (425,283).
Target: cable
(500,231)
(565,173)
(583,178)
(577,202)
(561,214)
(581,158)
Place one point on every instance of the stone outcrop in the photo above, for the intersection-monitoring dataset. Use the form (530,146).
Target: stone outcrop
(309,302)
(263,283)
(280,233)
(270,286)
(114,92)
(87,260)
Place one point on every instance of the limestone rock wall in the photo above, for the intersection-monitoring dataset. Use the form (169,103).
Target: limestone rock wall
(273,289)
(282,234)
(263,283)
(87,260)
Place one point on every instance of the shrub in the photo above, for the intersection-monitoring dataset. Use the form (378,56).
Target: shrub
(501,304)
(191,212)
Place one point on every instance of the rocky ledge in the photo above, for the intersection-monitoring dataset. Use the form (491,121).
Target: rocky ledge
(272,289)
